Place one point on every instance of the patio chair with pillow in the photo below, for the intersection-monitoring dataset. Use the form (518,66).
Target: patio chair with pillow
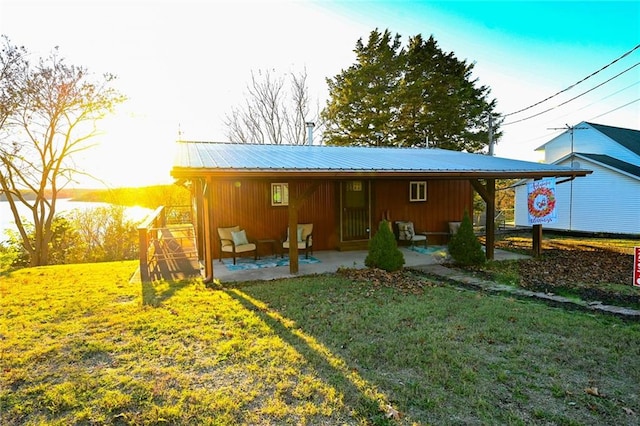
(406,233)
(304,238)
(234,240)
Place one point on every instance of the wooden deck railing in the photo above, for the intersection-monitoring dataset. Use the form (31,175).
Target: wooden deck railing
(166,235)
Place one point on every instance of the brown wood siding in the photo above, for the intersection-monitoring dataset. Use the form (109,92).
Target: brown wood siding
(247,203)
(446,202)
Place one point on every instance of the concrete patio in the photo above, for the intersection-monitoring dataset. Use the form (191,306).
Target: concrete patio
(330,261)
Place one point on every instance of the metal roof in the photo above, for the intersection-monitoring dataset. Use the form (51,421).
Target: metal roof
(607,160)
(629,138)
(194,158)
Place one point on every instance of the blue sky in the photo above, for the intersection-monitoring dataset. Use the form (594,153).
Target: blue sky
(184,64)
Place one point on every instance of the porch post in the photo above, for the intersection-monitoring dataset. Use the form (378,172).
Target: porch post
(488,194)
(293,231)
(295,201)
(490,225)
(537,240)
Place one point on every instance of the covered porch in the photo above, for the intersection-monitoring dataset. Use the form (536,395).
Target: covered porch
(332,260)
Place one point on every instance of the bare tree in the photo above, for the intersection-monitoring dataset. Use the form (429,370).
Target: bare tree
(275,111)
(55,119)
(13,68)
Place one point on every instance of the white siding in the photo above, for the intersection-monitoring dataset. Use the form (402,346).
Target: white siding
(589,141)
(605,201)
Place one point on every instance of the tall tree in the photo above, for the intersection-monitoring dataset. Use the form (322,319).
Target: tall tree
(418,96)
(363,104)
(55,119)
(275,111)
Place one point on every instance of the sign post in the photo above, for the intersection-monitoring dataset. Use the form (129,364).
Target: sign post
(636,266)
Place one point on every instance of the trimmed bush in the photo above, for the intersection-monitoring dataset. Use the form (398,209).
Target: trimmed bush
(383,250)
(464,247)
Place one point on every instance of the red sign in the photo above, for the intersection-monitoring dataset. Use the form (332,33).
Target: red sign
(636,266)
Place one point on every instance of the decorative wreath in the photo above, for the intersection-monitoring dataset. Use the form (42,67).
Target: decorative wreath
(541,202)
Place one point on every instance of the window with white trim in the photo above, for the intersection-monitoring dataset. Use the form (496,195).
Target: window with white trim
(418,191)
(279,194)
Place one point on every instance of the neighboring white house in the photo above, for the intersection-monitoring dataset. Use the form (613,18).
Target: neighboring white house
(608,200)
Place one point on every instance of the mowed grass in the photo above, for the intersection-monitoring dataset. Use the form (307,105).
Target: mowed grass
(82,345)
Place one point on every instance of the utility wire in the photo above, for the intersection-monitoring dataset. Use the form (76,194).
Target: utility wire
(599,100)
(615,109)
(575,97)
(575,84)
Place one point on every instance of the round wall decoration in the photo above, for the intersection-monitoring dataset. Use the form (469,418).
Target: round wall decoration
(541,202)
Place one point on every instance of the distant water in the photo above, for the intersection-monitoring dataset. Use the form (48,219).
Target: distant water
(135,214)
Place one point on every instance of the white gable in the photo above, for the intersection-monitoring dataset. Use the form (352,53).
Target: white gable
(586,139)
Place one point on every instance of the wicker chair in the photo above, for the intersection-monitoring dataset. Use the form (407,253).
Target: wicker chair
(304,239)
(234,240)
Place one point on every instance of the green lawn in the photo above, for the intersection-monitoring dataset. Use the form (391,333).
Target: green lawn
(79,344)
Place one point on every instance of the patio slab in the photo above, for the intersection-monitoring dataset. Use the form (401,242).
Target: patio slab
(331,261)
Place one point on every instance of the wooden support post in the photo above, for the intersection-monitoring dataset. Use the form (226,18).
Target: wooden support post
(488,194)
(490,226)
(143,247)
(293,231)
(537,240)
(295,201)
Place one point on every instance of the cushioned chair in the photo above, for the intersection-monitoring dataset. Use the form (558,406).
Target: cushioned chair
(406,233)
(304,238)
(234,240)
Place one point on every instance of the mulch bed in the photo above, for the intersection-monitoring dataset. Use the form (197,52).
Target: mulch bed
(404,280)
(586,271)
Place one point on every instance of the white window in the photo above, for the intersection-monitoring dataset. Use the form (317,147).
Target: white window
(418,191)
(279,194)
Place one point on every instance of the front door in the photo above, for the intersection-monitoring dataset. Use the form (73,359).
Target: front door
(355,210)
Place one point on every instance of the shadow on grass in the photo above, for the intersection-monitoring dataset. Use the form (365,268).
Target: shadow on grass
(367,403)
(156,292)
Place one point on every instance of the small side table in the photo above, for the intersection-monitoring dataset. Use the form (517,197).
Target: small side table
(271,242)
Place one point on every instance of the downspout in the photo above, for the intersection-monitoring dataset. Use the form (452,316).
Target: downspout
(206,226)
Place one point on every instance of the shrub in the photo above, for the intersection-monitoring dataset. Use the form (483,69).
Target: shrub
(464,247)
(383,250)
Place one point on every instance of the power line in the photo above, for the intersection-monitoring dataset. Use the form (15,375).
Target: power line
(575,84)
(615,109)
(598,101)
(575,97)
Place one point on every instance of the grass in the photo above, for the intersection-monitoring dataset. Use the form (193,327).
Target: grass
(79,344)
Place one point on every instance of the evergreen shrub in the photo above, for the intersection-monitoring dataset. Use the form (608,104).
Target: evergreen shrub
(383,250)
(464,246)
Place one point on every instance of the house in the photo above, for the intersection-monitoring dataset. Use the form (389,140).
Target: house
(608,200)
(343,191)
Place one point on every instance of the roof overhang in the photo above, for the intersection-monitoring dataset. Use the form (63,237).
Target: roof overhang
(188,173)
(209,160)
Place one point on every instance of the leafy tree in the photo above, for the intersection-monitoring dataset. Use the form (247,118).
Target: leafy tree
(106,233)
(441,106)
(363,104)
(97,234)
(418,96)
(55,118)
(464,246)
(383,250)
(275,111)
(65,246)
